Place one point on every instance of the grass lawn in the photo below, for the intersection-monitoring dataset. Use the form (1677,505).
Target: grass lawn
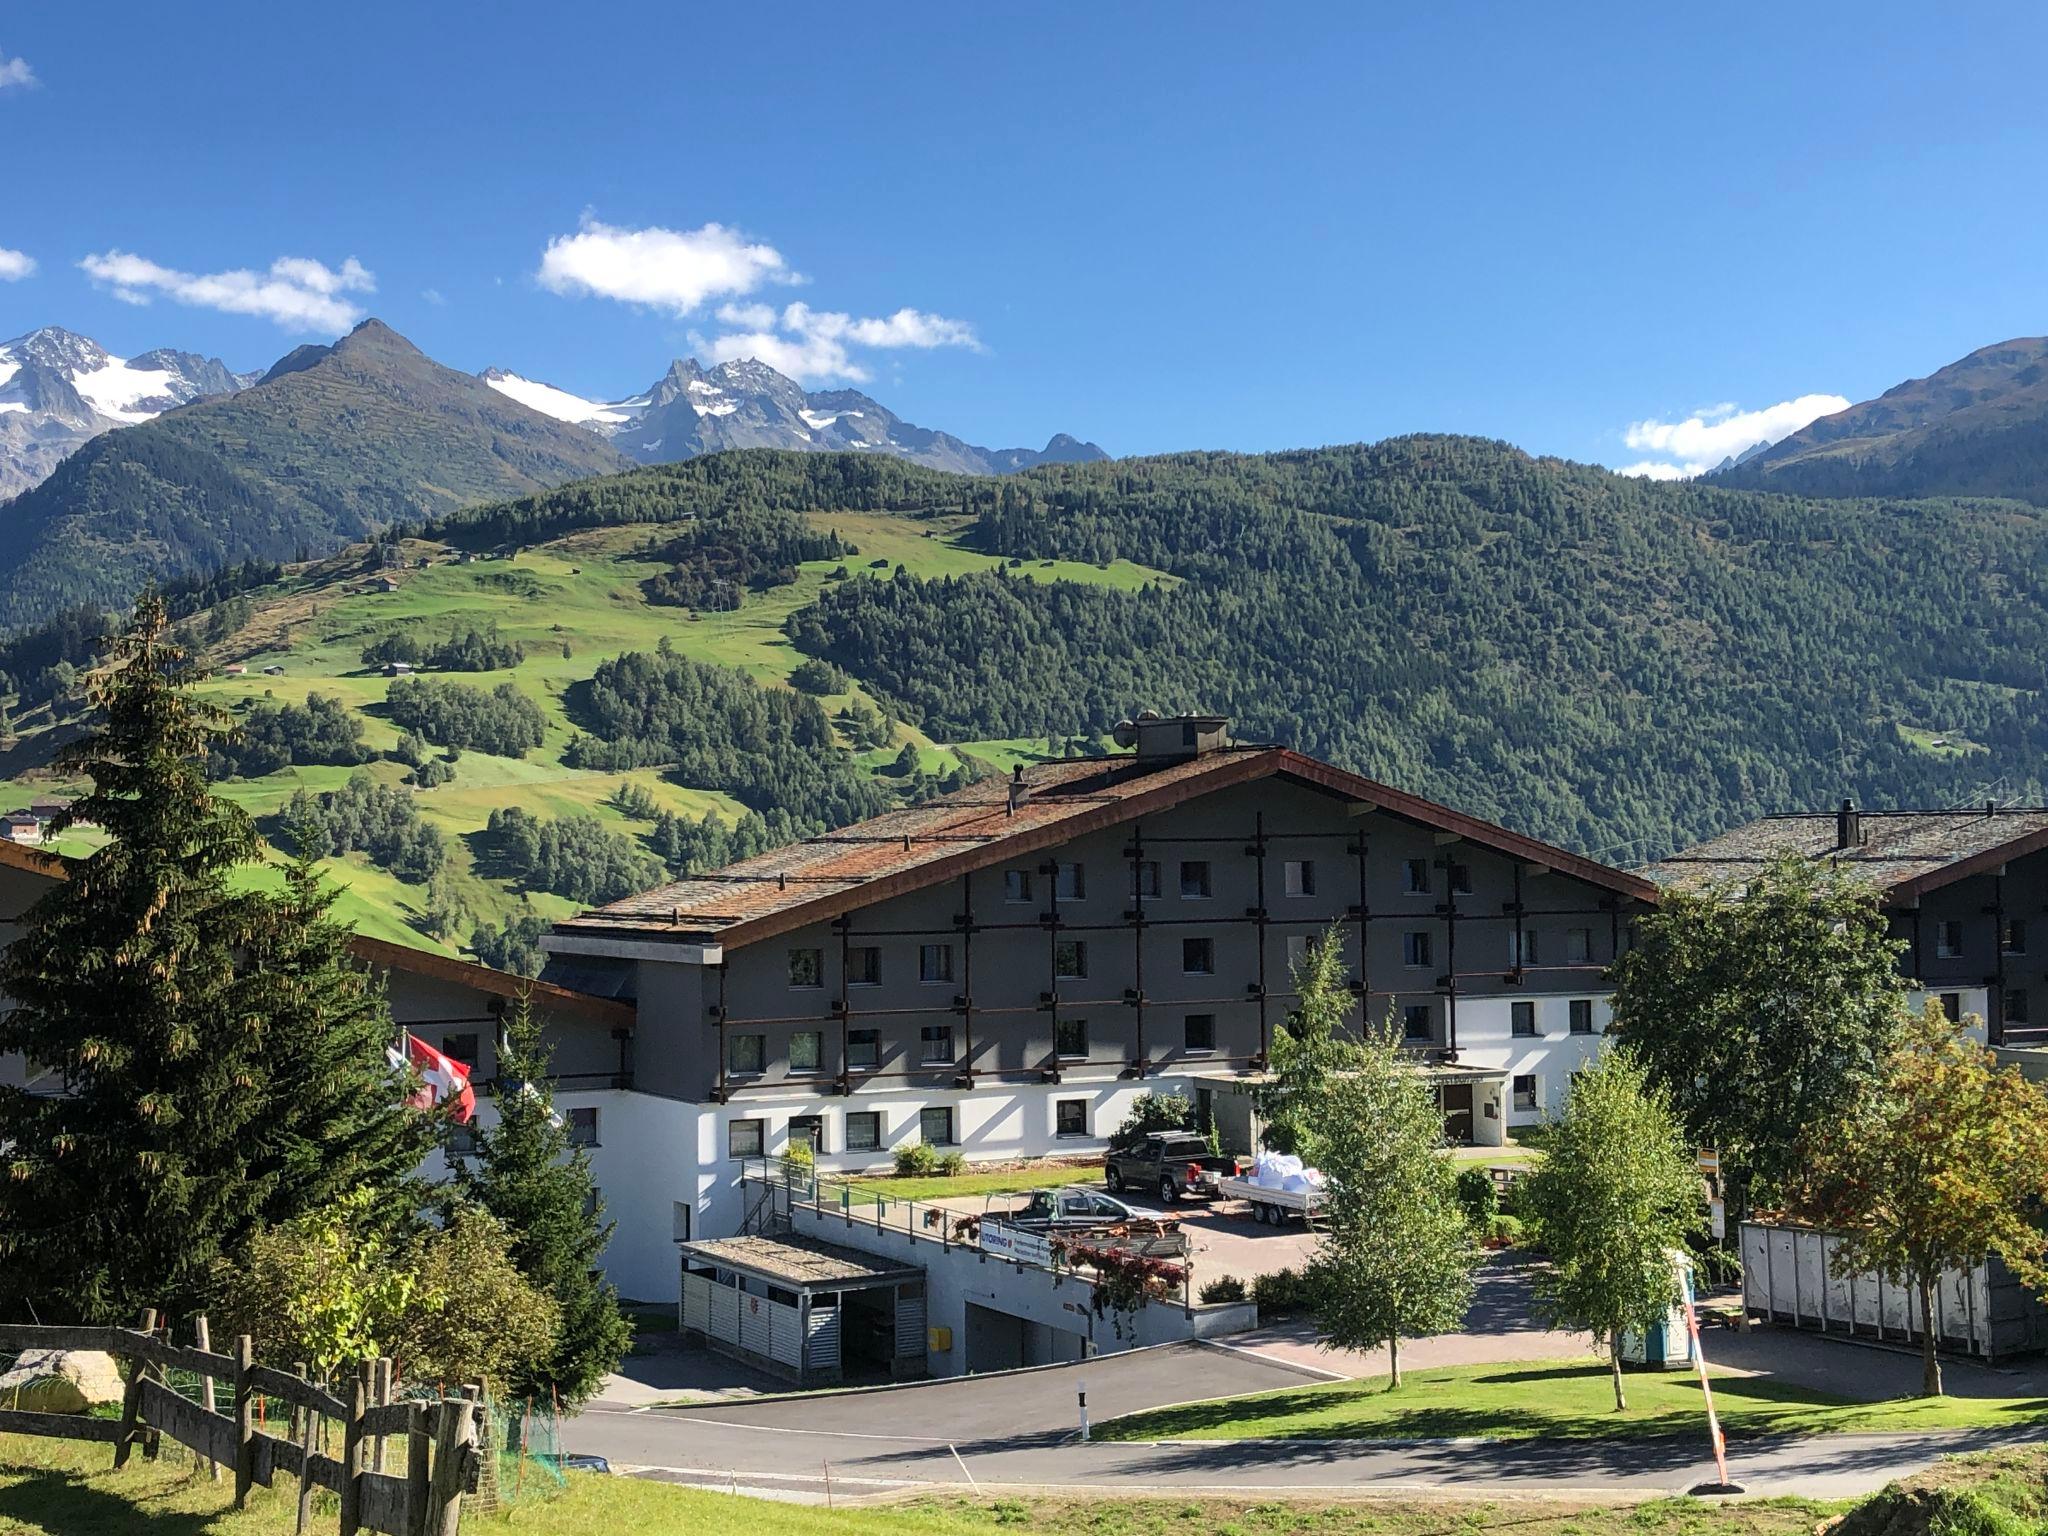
(53,1486)
(971,1183)
(1554,1399)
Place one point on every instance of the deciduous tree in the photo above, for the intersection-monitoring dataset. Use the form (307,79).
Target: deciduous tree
(1945,1163)
(1765,1011)
(1615,1193)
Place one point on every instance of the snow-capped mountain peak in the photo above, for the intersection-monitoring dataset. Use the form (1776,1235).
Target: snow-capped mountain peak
(57,389)
(744,403)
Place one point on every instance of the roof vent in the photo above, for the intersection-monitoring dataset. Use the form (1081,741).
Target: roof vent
(1848,826)
(1016,788)
(1172,738)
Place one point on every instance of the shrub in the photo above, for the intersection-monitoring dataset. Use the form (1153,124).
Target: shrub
(1476,1193)
(917,1161)
(1504,1229)
(1282,1293)
(801,1154)
(1153,1112)
(952,1165)
(1222,1288)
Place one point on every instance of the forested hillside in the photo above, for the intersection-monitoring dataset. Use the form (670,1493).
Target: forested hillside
(662,669)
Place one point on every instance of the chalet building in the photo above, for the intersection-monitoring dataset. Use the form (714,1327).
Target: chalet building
(1966,892)
(1006,968)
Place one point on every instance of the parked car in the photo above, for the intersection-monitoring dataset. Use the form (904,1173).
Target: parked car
(1066,1209)
(1169,1164)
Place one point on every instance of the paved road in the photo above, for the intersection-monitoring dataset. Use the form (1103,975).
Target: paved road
(1018,1430)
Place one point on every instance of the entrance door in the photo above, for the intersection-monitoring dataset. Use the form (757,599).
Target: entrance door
(1456,1100)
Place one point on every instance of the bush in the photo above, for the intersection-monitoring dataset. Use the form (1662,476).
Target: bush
(1153,1112)
(1282,1293)
(801,1154)
(1504,1229)
(917,1161)
(952,1165)
(1479,1197)
(1222,1288)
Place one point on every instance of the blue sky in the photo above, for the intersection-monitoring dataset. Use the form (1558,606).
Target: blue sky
(1157,226)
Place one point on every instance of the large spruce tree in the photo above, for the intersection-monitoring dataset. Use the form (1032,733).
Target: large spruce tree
(223,1064)
(118,1193)
(528,1175)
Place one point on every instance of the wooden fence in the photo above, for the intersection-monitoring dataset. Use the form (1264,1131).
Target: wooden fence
(435,1443)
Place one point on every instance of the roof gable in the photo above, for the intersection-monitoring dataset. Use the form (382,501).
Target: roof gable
(1902,853)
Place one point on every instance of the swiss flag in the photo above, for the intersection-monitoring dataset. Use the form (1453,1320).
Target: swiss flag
(442,1078)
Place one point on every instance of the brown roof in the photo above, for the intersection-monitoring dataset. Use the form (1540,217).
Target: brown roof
(1902,853)
(974,827)
(399,957)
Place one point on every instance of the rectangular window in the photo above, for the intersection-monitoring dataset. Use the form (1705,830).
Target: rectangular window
(1523,949)
(863,1130)
(806,1050)
(460,1048)
(1298,877)
(1948,939)
(864,966)
(2015,939)
(1145,879)
(1070,959)
(1522,1020)
(1201,1031)
(936,1043)
(1194,877)
(807,1131)
(1415,949)
(935,1126)
(1070,1117)
(743,1138)
(1415,875)
(1461,879)
(1952,1005)
(1582,1015)
(807,967)
(1297,951)
(744,1053)
(462,1139)
(1525,1092)
(1016,885)
(1198,957)
(1416,1023)
(863,1049)
(2016,1005)
(1071,884)
(1070,1039)
(1578,946)
(935,962)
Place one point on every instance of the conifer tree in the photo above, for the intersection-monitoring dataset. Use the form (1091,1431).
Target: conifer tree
(334,1116)
(119,1193)
(526,1173)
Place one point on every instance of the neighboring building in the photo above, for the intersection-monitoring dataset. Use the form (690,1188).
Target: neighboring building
(21,827)
(1006,968)
(397,669)
(234,669)
(1966,892)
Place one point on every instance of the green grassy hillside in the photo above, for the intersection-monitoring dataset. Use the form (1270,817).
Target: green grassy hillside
(572,603)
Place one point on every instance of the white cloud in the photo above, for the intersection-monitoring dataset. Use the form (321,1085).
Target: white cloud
(675,270)
(297,293)
(15,265)
(815,346)
(433,296)
(15,72)
(1702,440)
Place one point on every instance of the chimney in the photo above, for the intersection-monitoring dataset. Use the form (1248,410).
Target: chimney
(1016,788)
(1848,826)
(1173,738)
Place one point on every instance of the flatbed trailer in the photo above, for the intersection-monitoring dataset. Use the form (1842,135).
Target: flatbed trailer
(1273,1207)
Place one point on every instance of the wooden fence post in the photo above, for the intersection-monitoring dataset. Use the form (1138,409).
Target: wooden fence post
(131,1398)
(352,1453)
(380,1393)
(203,1335)
(454,1445)
(307,1422)
(417,1450)
(245,1419)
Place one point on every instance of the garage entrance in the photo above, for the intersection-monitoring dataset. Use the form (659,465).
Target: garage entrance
(1002,1341)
